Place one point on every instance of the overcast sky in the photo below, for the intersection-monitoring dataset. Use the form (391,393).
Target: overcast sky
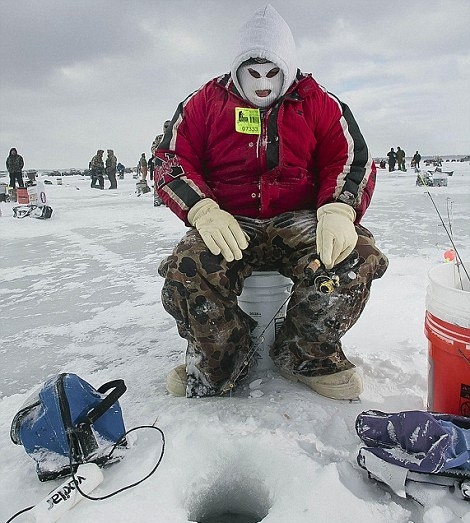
(77,76)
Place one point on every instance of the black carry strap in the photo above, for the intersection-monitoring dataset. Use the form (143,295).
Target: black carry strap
(119,387)
(21,211)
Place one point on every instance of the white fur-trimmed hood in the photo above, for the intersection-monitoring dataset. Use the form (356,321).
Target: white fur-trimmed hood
(267,35)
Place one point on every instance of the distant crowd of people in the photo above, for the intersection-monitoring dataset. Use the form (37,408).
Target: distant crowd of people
(143,171)
(98,168)
(398,158)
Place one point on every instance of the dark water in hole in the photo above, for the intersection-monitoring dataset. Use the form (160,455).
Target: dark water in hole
(230,517)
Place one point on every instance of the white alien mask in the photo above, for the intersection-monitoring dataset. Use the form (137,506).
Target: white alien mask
(261,82)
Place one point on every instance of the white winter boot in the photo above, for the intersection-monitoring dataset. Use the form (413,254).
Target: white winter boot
(176,381)
(344,385)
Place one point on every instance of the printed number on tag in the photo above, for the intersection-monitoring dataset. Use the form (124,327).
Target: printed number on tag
(247,120)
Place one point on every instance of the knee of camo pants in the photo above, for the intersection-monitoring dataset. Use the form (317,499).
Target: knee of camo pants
(309,341)
(200,292)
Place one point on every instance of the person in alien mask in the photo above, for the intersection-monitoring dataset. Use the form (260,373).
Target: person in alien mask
(270,172)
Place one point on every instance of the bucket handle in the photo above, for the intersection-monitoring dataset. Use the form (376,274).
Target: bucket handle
(463,356)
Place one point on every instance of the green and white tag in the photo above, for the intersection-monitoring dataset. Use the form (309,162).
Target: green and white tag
(247,120)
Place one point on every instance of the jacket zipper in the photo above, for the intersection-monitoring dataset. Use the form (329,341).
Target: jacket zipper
(261,145)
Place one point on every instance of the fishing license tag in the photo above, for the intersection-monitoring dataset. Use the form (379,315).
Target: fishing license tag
(247,120)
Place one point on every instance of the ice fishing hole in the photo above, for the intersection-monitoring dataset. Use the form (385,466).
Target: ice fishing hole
(230,500)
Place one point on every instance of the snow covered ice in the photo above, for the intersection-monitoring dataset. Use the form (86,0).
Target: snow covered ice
(80,293)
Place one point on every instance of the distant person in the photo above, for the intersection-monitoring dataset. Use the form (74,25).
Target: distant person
(392,158)
(159,137)
(416,159)
(111,163)
(154,145)
(142,167)
(120,170)
(142,170)
(15,166)
(150,167)
(400,155)
(157,201)
(97,170)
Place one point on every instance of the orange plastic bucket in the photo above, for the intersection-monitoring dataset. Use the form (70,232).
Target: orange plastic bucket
(447,328)
(22,196)
(449,367)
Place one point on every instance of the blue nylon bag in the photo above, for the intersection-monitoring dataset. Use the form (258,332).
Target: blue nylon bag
(419,441)
(69,422)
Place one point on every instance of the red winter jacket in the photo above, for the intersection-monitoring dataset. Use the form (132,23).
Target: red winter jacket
(309,152)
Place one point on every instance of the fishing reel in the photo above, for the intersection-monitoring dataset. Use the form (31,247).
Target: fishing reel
(326,281)
(317,275)
(326,284)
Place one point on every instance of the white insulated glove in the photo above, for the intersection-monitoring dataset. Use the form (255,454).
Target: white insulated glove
(219,230)
(336,234)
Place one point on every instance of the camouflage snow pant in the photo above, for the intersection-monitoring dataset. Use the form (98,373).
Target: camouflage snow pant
(201,290)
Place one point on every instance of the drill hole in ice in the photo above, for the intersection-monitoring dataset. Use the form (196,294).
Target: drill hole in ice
(231,498)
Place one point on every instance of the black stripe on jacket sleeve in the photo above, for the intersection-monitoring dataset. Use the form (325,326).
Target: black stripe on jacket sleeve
(185,193)
(168,134)
(358,169)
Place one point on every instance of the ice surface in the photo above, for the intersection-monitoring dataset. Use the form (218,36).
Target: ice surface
(80,293)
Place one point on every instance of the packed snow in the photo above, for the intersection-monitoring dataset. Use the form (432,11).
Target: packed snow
(80,293)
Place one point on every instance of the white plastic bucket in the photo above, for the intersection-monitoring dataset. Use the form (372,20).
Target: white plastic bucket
(264,298)
(37,194)
(33,194)
(448,294)
(447,327)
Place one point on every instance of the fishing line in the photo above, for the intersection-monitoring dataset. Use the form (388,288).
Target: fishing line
(448,235)
(255,346)
(450,219)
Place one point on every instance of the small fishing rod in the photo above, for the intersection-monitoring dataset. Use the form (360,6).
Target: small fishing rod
(449,235)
